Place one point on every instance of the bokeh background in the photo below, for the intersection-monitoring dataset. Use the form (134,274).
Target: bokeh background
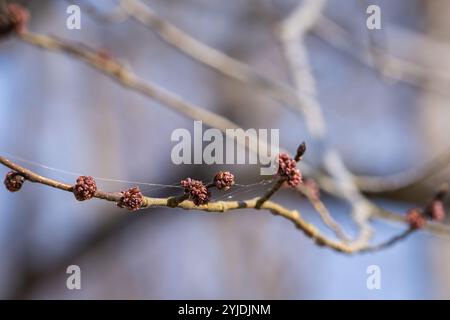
(59,112)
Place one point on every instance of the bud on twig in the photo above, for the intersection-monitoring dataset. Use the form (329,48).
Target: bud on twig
(224,180)
(300,151)
(15,18)
(14,181)
(287,169)
(196,191)
(85,188)
(132,199)
(435,210)
(415,218)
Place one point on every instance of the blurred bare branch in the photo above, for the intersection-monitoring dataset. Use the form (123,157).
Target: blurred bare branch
(292,32)
(405,178)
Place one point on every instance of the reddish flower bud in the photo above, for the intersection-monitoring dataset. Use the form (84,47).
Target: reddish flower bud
(14,181)
(196,191)
(287,168)
(132,199)
(415,218)
(435,210)
(224,180)
(14,18)
(85,188)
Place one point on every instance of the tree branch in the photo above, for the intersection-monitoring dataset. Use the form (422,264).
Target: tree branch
(211,57)
(292,32)
(221,207)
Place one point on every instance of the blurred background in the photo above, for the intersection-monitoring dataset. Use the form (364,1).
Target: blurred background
(59,112)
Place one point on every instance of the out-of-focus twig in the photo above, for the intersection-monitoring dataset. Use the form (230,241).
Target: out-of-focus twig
(130,80)
(211,57)
(292,32)
(322,210)
(438,229)
(387,64)
(390,242)
(405,178)
(127,78)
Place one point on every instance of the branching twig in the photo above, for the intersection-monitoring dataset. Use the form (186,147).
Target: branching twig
(270,192)
(292,32)
(325,215)
(226,65)
(212,207)
(388,65)
(210,56)
(127,78)
(237,70)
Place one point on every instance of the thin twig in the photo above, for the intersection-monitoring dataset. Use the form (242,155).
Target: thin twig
(324,214)
(390,242)
(405,178)
(270,192)
(292,32)
(438,229)
(387,64)
(128,79)
(211,57)
(212,207)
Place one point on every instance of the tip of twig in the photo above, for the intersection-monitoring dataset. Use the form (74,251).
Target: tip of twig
(300,151)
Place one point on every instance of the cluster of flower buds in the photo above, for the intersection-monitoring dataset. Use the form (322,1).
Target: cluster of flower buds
(287,169)
(13,18)
(415,218)
(199,193)
(434,210)
(196,190)
(132,199)
(14,181)
(85,188)
(224,180)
